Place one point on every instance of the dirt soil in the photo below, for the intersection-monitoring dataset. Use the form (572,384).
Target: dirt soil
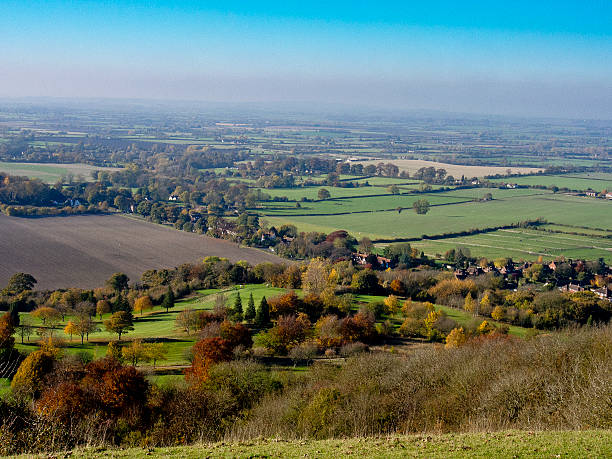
(83,251)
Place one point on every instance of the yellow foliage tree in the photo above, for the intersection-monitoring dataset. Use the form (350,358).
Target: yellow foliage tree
(498,313)
(469,305)
(392,304)
(484,328)
(455,338)
(485,304)
(143,304)
(71,329)
(431,319)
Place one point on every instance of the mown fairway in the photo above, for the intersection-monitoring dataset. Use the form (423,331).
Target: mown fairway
(156,324)
(49,172)
(505,444)
(83,251)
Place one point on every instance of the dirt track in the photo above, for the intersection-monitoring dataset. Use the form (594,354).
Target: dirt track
(83,251)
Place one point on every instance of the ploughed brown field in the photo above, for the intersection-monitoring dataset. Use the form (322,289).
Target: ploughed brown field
(83,251)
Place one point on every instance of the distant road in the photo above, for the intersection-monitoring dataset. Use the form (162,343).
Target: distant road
(83,251)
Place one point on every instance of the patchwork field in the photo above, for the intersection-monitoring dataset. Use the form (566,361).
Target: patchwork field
(523,244)
(413,165)
(51,173)
(508,206)
(579,182)
(83,251)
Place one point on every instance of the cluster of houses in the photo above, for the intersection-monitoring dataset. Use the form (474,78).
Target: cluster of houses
(594,194)
(364,259)
(515,271)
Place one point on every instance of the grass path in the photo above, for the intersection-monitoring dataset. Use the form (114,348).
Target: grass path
(509,444)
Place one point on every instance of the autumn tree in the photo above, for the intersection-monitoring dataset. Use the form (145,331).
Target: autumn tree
(498,313)
(134,352)
(328,332)
(455,338)
(315,278)
(187,320)
(365,245)
(155,352)
(469,304)
(70,329)
(143,304)
(120,322)
(392,304)
(31,373)
(102,307)
(85,325)
(288,332)
(206,353)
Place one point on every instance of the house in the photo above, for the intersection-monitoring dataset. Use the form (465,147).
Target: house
(608,195)
(604,293)
(592,194)
(572,288)
(173,197)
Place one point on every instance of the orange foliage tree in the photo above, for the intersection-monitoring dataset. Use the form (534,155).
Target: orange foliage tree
(206,353)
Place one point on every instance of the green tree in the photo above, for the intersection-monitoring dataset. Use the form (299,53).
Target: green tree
(120,322)
(168,301)
(262,318)
(421,206)
(237,311)
(118,282)
(18,283)
(323,193)
(250,312)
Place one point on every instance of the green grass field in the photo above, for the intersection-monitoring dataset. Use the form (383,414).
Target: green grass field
(505,444)
(523,244)
(157,324)
(50,173)
(594,180)
(508,207)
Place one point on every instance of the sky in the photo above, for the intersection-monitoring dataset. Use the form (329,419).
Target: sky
(514,57)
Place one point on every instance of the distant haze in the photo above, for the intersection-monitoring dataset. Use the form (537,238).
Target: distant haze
(522,58)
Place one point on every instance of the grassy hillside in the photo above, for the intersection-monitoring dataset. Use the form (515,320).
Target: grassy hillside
(511,444)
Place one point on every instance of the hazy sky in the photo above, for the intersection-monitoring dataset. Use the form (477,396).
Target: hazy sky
(536,57)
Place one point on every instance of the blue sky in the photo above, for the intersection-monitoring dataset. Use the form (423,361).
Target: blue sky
(515,57)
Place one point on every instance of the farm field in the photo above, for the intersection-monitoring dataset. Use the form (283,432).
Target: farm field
(514,207)
(388,202)
(578,182)
(83,251)
(504,444)
(51,173)
(413,165)
(523,244)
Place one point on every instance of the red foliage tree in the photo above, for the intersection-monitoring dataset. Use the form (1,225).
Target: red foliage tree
(207,352)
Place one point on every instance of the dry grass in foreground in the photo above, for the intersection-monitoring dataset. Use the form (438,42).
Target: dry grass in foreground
(508,444)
